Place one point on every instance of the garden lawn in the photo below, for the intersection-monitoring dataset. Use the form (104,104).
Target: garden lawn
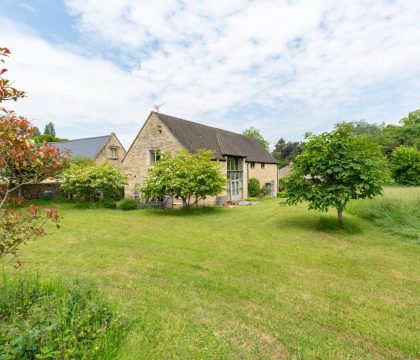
(255,282)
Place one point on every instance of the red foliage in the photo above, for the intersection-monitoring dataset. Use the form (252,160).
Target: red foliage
(22,162)
(7,92)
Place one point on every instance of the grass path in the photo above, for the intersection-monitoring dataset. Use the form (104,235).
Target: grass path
(262,281)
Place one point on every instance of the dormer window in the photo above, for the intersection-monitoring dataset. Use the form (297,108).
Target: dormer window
(114,152)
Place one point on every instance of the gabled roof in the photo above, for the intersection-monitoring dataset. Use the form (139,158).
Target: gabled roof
(87,148)
(194,136)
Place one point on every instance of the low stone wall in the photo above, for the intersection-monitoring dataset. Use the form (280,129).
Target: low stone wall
(36,191)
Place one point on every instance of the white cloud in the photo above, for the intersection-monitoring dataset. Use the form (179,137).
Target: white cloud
(299,65)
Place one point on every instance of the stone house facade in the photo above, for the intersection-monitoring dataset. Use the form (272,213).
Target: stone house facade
(240,157)
(100,148)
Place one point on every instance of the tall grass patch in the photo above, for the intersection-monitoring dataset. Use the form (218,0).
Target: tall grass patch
(397,210)
(56,320)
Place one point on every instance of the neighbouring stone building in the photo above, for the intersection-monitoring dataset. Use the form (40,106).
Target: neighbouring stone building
(240,157)
(99,148)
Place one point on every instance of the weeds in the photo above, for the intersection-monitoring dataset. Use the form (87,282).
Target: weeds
(56,321)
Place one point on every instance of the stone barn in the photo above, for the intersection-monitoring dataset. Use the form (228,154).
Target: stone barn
(240,157)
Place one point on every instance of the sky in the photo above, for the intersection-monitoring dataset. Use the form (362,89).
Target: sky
(285,67)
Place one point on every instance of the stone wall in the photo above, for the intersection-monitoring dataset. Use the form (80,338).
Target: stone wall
(106,152)
(266,174)
(153,136)
(36,191)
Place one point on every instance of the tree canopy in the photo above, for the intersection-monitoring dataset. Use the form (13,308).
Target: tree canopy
(253,132)
(334,168)
(186,176)
(285,152)
(405,165)
(49,129)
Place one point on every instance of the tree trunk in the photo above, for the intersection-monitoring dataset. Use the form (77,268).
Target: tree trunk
(340,217)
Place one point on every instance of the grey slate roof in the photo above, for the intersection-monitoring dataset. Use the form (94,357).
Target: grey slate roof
(194,136)
(87,148)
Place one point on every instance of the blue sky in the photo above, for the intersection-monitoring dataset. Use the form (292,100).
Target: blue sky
(286,67)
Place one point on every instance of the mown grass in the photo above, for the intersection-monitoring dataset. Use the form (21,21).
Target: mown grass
(397,210)
(251,282)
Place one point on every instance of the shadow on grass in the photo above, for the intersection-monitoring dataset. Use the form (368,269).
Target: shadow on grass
(326,223)
(202,210)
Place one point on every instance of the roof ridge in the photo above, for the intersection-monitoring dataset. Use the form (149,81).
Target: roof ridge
(196,123)
(88,138)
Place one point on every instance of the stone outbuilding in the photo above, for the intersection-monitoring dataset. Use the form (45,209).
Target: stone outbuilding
(240,157)
(100,148)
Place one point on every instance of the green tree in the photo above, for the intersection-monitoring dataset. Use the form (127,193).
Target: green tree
(405,165)
(285,152)
(49,129)
(334,168)
(186,176)
(94,182)
(253,132)
(362,127)
(40,139)
(412,118)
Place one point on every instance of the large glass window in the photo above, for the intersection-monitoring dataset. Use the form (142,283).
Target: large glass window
(235,178)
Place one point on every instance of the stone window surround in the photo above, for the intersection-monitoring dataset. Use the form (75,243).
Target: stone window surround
(154,155)
(114,152)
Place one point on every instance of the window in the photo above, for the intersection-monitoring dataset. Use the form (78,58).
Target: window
(154,156)
(262,166)
(114,152)
(252,165)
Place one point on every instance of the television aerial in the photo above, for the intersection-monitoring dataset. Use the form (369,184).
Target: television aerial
(157,107)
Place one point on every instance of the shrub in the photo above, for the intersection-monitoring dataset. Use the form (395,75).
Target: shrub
(405,165)
(264,191)
(128,204)
(94,182)
(252,198)
(56,321)
(282,184)
(254,187)
(109,204)
(282,194)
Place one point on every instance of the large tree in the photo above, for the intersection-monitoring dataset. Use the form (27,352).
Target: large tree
(362,127)
(334,168)
(21,163)
(186,176)
(285,152)
(253,132)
